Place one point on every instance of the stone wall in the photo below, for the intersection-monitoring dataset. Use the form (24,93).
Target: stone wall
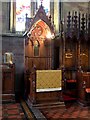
(15,44)
(5,17)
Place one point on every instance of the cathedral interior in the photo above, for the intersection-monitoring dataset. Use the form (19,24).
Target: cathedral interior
(45,60)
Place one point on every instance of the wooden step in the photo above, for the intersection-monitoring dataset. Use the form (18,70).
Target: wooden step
(49,105)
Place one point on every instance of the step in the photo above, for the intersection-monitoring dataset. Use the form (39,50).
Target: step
(7,98)
(49,105)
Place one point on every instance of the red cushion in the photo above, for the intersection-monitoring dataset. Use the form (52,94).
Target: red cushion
(88,90)
(71,80)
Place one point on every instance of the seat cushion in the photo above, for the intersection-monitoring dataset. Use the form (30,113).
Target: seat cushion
(88,90)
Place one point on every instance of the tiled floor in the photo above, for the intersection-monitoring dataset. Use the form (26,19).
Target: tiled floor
(72,111)
(12,111)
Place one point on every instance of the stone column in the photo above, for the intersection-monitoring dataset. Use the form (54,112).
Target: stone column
(52,10)
(13,16)
(33,7)
(1,55)
(5,16)
(56,15)
(89,7)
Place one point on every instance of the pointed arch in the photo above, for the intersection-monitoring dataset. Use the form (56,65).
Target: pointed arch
(39,31)
(41,15)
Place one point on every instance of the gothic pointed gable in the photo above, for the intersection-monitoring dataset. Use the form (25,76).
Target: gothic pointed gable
(41,15)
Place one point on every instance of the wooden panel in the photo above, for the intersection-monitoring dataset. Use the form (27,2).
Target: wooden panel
(86,78)
(8,82)
(83,83)
(84,57)
(45,96)
(68,62)
(81,92)
(48,96)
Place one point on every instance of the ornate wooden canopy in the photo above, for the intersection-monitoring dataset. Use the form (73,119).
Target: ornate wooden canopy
(40,26)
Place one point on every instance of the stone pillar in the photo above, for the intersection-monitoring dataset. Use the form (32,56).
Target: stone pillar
(52,10)
(5,16)
(89,7)
(56,15)
(1,55)
(13,16)
(33,8)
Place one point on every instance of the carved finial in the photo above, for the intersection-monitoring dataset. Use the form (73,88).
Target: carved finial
(41,1)
(26,15)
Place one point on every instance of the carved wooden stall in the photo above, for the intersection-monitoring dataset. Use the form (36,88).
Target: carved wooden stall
(72,49)
(38,45)
(38,53)
(8,79)
(76,53)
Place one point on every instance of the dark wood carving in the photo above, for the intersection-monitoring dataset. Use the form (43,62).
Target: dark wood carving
(83,83)
(77,50)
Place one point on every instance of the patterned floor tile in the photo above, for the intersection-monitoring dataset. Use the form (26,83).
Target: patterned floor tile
(74,111)
(15,112)
(12,111)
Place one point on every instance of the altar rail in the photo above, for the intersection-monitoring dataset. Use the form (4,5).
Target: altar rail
(45,85)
